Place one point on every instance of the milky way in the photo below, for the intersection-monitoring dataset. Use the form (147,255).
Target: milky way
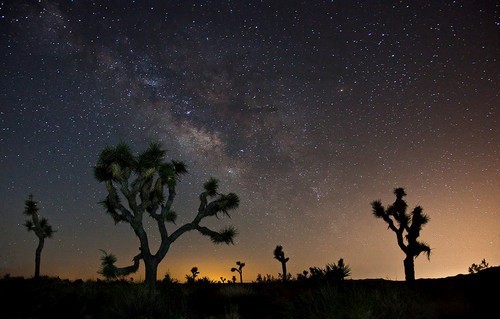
(308,110)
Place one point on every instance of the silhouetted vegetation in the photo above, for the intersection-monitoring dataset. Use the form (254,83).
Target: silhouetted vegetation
(337,272)
(407,228)
(110,271)
(146,184)
(477,268)
(279,255)
(239,269)
(454,297)
(331,273)
(40,226)
(192,278)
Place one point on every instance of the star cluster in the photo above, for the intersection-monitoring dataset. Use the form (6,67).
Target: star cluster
(308,110)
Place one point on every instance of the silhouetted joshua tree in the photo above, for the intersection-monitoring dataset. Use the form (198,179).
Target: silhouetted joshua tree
(194,273)
(279,254)
(473,269)
(41,228)
(239,269)
(110,271)
(407,228)
(136,185)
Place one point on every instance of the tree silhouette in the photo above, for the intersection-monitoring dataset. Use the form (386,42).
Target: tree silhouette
(473,269)
(194,273)
(279,254)
(407,228)
(40,226)
(146,184)
(239,269)
(110,271)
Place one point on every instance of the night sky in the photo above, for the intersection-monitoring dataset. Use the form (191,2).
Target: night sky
(308,110)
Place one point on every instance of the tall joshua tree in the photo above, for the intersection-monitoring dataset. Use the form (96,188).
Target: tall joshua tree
(146,184)
(279,254)
(407,227)
(239,269)
(40,226)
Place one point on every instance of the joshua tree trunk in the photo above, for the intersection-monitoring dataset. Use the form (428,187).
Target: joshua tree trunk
(151,261)
(409,269)
(38,256)
(283,266)
(151,266)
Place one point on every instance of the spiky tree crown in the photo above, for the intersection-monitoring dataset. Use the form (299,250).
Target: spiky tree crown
(40,226)
(118,163)
(400,222)
(195,271)
(151,173)
(240,267)
(108,268)
(279,254)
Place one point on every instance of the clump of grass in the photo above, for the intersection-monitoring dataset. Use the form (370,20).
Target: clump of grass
(362,302)
(231,312)
(141,301)
(231,291)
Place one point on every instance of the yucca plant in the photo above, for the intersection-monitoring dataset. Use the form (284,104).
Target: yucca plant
(407,227)
(40,226)
(109,271)
(146,184)
(337,272)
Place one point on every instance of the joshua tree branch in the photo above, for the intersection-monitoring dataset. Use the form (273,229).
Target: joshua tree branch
(181,230)
(114,199)
(170,200)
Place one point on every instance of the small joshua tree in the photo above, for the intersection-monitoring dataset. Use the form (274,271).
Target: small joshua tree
(145,184)
(279,254)
(194,273)
(239,270)
(41,228)
(473,269)
(407,228)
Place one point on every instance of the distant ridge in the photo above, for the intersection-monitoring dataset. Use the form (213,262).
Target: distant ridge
(490,272)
